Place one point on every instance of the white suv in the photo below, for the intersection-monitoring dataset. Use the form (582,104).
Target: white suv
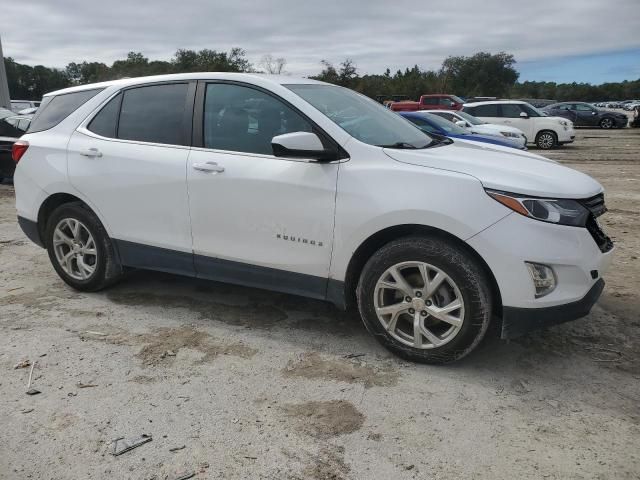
(311,189)
(545,132)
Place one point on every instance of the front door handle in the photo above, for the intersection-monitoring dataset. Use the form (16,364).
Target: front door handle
(208,167)
(91,153)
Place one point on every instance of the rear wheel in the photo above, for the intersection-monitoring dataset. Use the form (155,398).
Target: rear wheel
(546,140)
(606,123)
(425,299)
(79,248)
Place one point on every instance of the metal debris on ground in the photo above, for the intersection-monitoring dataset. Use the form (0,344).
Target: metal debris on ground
(185,476)
(122,445)
(26,410)
(32,391)
(86,385)
(23,364)
(354,355)
(175,449)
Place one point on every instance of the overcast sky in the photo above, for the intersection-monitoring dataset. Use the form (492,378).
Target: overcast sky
(547,37)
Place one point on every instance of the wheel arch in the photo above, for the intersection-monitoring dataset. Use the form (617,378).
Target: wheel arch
(50,204)
(377,240)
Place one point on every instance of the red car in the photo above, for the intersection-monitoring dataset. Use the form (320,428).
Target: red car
(437,101)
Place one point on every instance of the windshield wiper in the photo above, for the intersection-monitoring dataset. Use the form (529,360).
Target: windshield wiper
(439,139)
(399,145)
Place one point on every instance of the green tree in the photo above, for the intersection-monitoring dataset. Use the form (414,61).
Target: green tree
(481,74)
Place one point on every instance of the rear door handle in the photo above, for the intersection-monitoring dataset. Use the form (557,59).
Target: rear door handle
(91,153)
(208,167)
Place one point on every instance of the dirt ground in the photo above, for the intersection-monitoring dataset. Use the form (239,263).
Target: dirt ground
(238,383)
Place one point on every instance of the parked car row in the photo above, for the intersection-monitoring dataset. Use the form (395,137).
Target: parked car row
(312,189)
(12,127)
(628,105)
(18,105)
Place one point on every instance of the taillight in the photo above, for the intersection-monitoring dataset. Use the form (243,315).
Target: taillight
(18,149)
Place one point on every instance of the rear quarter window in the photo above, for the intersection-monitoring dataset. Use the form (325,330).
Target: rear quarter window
(55,109)
(105,123)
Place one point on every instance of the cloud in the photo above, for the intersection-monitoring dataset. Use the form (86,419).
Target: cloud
(375,33)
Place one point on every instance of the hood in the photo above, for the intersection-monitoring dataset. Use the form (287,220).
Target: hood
(503,168)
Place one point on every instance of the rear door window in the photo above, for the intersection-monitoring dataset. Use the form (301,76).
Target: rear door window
(484,111)
(511,110)
(154,114)
(55,109)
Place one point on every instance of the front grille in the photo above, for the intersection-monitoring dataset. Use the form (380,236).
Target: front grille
(596,206)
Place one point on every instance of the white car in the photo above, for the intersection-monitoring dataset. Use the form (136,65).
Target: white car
(545,132)
(475,125)
(312,189)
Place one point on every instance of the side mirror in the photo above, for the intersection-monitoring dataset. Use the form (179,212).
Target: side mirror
(524,115)
(300,145)
(462,123)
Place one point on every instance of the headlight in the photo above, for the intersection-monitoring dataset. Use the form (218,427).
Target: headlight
(563,122)
(552,210)
(510,134)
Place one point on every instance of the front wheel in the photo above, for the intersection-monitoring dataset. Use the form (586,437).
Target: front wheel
(606,123)
(79,248)
(425,299)
(546,140)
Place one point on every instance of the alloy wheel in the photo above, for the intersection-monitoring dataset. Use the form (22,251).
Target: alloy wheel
(606,123)
(546,140)
(419,305)
(75,249)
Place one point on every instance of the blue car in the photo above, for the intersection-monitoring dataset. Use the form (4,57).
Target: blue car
(433,124)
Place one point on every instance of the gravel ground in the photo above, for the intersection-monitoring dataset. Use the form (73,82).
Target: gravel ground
(238,383)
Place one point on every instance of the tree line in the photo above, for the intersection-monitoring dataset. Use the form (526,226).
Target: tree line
(482,74)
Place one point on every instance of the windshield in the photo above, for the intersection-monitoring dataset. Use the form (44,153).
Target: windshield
(470,118)
(361,117)
(457,99)
(442,124)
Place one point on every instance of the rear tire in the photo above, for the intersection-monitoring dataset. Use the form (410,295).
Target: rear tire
(80,249)
(546,140)
(435,321)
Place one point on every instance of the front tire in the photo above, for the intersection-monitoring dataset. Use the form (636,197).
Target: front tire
(425,299)
(79,248)
(606,123)
(546,140)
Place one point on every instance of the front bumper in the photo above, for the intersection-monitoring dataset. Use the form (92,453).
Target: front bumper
(566,135)
(621,122)
(571,252)
(518,321)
